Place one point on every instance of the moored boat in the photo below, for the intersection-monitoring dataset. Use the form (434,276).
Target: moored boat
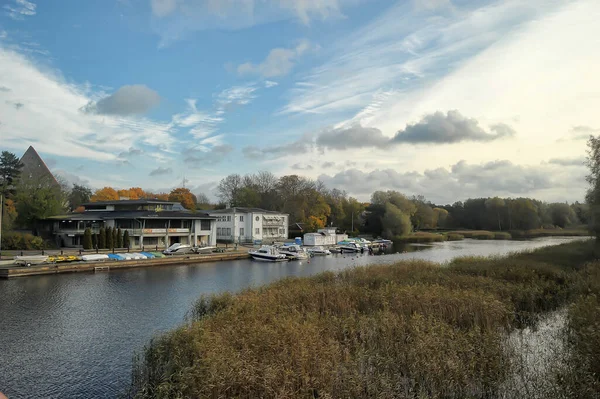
(94,257)
(293,252)
(29,260)
(350,246)
(267,253)
(318,251)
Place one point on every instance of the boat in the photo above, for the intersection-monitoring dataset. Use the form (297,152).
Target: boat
(148,255)
(382,241)
(29,260)
(204,250)
(350,246)
(158,254)
(267,253)
(318,251)
(293,251)
(116,257)
(178,248)
(94,257)
(63,258)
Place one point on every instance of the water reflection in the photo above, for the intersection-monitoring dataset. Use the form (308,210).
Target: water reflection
(73,335)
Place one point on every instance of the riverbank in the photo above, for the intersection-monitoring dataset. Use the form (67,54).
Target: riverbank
(457,235)
(413,329)
(10,271)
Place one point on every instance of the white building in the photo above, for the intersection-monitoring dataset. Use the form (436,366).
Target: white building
(326,236)
(249,225)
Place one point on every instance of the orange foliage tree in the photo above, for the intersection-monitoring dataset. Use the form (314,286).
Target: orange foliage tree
(185,196)
(105,194)
(314,223)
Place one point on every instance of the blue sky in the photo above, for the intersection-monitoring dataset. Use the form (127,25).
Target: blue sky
(449,99)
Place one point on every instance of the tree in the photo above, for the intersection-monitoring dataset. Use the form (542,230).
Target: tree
(184,196)
(79,195)
(126,239)
(440,217)
(87,239)
(119,241)
(95,240)
(593,194)
(10,169)
(423,217)
(562,215)
(102,238)
(105,194)
(114,233)
(229,188)
(395,222)
(248,197)
(9,214)
(203,202)
(35,201)
(495,205)
(109,238)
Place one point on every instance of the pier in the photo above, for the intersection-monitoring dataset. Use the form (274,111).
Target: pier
(11,271)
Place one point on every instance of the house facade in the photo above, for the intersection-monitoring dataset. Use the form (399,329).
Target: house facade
(150,223)
(326,236)
(249,225)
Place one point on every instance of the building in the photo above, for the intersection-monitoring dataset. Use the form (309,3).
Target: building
(150,223)
(35,171)
(326,236)
(249,225)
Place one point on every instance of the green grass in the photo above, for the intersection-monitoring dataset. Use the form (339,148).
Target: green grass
(410,330)
(558,232)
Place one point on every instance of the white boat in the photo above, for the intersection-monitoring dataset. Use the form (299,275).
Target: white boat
(350,246)
(294,251)
(267,253)
(94,257)
(178,248)
(137,255)
(204,250)
(318,251)
(28,260)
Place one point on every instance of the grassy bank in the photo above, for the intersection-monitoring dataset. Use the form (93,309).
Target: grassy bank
(579,232)
(420,237)
(410,330)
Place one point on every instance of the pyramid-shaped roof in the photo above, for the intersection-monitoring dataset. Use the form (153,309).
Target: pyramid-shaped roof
(34,167)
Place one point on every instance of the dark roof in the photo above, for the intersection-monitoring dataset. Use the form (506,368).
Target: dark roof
(244,210)
(107,215)
(34,167)
(130,202)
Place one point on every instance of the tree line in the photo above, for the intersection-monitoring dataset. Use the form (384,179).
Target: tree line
(106,238)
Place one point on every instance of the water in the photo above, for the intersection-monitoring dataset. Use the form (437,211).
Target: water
(73,335)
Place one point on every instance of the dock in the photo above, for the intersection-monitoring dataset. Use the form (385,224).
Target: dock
(11,271)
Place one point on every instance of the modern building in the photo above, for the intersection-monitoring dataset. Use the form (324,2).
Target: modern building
(326,236)
(150,223)
(249,225)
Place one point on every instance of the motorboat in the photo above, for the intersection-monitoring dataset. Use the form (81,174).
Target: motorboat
(178,248)
(318,251)
(204,250)
(268,253)
(28,260)
(382,241)
(293,251)
(350,246)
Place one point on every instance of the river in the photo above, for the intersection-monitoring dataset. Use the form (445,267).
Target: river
(74,335)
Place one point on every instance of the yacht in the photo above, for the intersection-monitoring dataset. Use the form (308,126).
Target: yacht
(268,253)
(350,246)
(294,251)
(318,251)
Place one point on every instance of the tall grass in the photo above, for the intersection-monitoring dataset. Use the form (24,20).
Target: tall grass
(420,237)
(410,330)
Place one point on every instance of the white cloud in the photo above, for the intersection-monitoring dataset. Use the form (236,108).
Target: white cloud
(270,83)
(20,9)
(128,100)
(279,62)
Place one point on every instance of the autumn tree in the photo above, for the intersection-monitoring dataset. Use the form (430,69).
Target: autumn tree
(184,196)
(9,214)
(105,194)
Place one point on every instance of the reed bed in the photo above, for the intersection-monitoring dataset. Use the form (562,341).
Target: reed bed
(420,237)
(410,330)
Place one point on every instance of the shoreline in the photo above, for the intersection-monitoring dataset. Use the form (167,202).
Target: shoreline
(74,267)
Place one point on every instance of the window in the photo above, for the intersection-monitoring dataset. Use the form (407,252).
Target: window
(205,225)
(229,218)
(241,231)
(241,218)
(228,231)
(282,231)
(219,231)
(257,230)
(257,218)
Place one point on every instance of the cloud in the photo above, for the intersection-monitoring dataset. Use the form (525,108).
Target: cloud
(450,128)
(353,137)
(576,161)
(270,83)
(463,180)
(128,100)
(300,146)
(160,171)
(4,89)
(174,19)
(18,105)
(298,166)
(279,62)
(20,9)
(132,152)
(201,159)
(3,34)
(326,165)
(579,132)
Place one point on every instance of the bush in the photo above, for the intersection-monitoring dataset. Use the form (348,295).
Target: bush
(87,239)
(482,235)
(501,235)
(455,237)
(21,241)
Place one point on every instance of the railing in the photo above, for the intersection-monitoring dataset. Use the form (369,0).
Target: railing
(273,223)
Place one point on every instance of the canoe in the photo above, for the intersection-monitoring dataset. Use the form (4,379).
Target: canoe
(148,255)
(115,257)
(158,254)
(95,257)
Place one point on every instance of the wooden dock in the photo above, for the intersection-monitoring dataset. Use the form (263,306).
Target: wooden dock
(72,267)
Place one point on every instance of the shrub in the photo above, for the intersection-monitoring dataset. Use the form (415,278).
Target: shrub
(455,237)
(501,235)
(482,235)
(87,239)
(126,239)
(21,241)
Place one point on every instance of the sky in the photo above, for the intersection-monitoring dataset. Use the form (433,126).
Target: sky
(449,99)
